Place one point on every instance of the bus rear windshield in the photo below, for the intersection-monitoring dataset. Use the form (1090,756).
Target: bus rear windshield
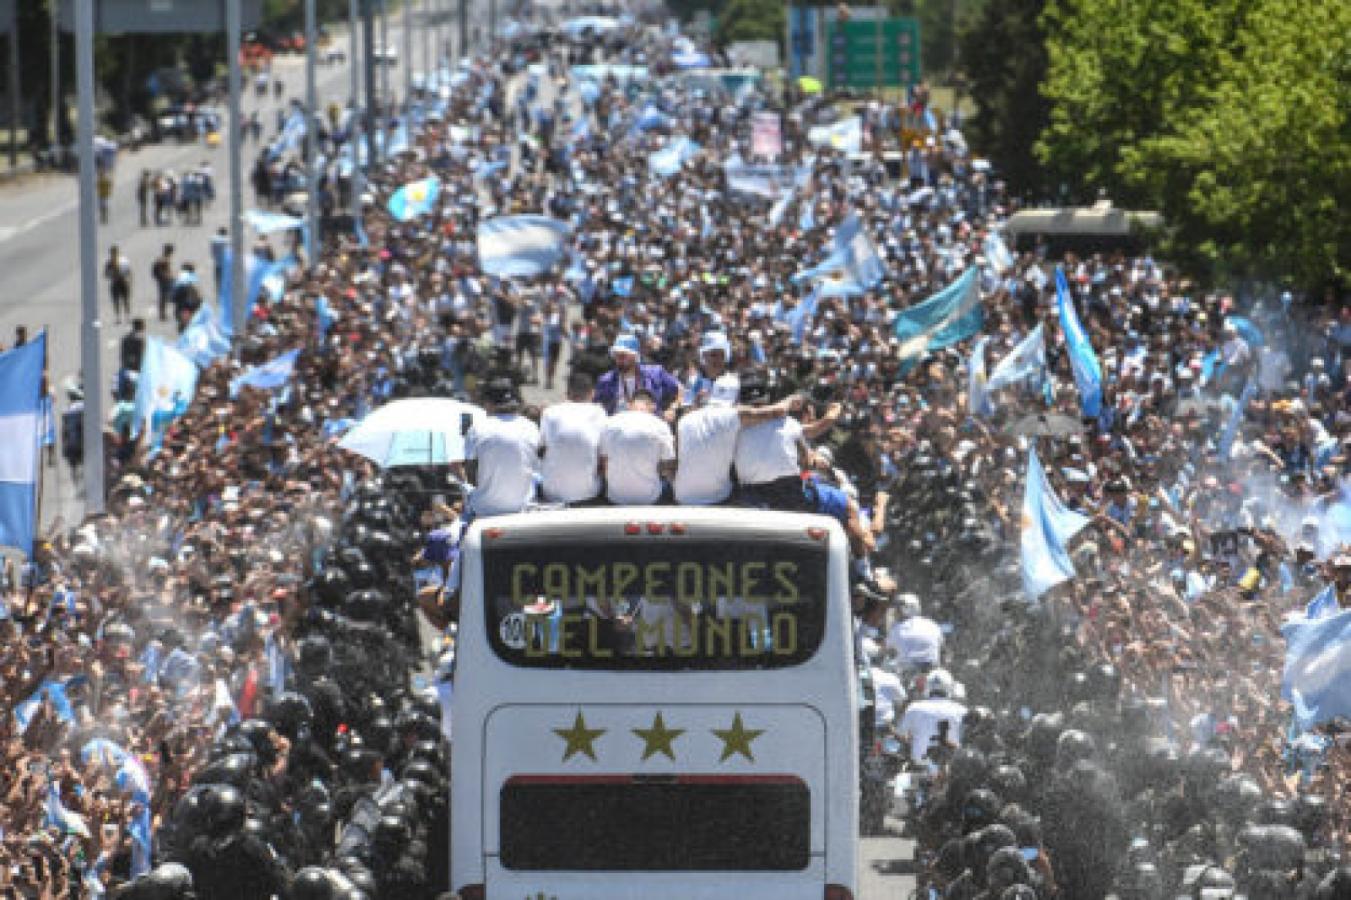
(656,605)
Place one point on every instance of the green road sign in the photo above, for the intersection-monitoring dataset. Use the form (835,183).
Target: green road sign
(871,54)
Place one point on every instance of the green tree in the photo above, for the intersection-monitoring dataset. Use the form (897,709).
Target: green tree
(1118,72)
(1003,56)
(750,20)
(1254,174)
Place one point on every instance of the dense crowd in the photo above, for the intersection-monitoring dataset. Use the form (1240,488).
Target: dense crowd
(212,679)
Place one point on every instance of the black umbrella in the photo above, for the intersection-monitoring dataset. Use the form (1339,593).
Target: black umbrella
(1046,425)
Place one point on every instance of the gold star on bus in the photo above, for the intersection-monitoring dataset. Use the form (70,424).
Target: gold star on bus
(579,738)
(658,738)
(737,739)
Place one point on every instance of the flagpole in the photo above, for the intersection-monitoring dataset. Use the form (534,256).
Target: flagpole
(311,140)
(91,328)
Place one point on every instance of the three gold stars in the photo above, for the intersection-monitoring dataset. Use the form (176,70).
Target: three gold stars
(736,740)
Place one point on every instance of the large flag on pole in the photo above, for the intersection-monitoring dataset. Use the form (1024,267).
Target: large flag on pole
(1047,527)
(953,314)
(1025,363)
(521,246)
(20,434)
(164,392)
(1317,676)
(853,265)
(1084,362)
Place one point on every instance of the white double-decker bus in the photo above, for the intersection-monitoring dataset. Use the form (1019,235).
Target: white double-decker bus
(655,702)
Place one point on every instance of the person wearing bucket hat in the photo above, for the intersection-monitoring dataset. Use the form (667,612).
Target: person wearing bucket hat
(616,388)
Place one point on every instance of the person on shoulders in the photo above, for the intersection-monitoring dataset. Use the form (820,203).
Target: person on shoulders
(636,453)
(570,445)
(617,388)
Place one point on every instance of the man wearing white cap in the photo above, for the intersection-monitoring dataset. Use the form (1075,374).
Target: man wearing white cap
(706,441)
(616,388)
(714,353)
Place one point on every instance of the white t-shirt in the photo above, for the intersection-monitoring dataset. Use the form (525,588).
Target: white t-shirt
(634,443)
(707,449)
(507,449)
(920,723)
(888,695)
(570,434)
(916,640)
(768,451)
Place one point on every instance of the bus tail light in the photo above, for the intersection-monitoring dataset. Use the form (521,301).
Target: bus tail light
(833,892)
(493,533)
(817,534)
(655,528)
(477,892)
(633,528)
(677,528)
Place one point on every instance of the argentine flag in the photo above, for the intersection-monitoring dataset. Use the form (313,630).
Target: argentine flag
(845,135)
(1317,676)
(168,382)
(203,341)
(953,314)
(270,375)
(521,246)
(415,199)
(1047,527)
(268,222)
(20,432)
(1083,361)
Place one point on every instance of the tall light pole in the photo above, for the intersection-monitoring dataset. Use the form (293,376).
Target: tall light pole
(56,76)
(372,101)
(238,293)
(407,54)
(311,139)
(14,89)
(90,326)
(357,129)
(463,47)
(384,57)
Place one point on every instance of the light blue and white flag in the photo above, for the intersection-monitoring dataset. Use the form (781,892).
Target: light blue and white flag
(20,434)
(168,382)
(768,181)
(951,315)
(488,168)
(845,135)
(52,690)
(265,221)
(1317,677)
(60,818)
(142,840)
(997,253)
(269,376)
(521,246)
(853,265)
(799,315)
(415,198)
(203,341)
(668,160)
(977,397)
(1027,362)
(1247,330)
(650,117)
(292,134)
(1323,604)
(1230,430)
(691,59)
(1084,362)
(1047,527)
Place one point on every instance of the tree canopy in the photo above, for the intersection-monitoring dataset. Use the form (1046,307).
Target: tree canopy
(1230,116)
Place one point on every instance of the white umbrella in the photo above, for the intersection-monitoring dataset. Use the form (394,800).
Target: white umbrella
(417,431)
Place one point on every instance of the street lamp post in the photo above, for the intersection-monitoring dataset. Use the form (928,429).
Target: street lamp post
(311,139)
(407,53)
(56,77)
(357,129)
(235,302)
(90,326)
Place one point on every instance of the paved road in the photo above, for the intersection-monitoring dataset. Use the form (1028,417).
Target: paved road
(39,251)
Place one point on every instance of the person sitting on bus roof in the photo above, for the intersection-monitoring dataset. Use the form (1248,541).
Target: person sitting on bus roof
(636,453)
(771,455)
(616,388)
(501,453)
(706,442)
(569,445)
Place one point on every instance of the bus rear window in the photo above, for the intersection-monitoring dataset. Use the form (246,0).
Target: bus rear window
(656,605)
